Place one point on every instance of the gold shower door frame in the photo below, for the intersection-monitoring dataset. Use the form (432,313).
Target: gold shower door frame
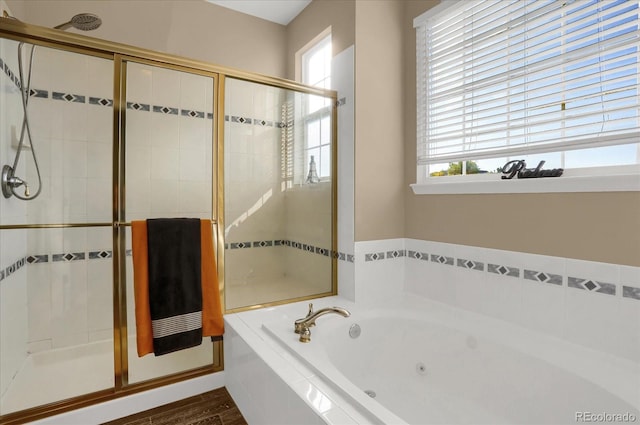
(121,55)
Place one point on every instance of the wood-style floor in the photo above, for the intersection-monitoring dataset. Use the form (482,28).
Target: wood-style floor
(213,408)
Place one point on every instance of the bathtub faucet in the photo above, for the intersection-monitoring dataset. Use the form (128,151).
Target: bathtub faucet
(302,325)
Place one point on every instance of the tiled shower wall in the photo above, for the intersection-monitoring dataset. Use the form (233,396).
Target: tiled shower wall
(254,197)
(56,284)
(268,211)
(596,305)
(66,272)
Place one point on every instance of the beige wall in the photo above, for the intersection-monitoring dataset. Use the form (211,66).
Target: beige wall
(191,28)
(379,147)
(315,18)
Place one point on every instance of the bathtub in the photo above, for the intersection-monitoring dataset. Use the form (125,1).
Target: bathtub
(424,362)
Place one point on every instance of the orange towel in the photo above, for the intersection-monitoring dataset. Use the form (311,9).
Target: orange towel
(212,322)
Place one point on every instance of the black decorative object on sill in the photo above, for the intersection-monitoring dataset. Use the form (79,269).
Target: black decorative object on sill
(518,167)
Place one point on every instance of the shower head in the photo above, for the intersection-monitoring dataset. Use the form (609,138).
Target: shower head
(82,21)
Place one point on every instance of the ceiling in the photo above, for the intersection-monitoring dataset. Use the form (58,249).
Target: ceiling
(279,11)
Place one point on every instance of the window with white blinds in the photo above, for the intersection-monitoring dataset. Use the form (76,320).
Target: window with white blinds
(500,80)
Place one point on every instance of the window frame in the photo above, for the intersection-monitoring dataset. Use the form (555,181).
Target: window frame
(593,179)
(318,115)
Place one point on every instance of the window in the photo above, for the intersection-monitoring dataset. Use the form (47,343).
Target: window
(536,80)
(316,71)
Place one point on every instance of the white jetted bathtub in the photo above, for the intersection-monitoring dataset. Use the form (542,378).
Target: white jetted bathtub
(427,363)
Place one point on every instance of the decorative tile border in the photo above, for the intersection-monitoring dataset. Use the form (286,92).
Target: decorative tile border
(418,255)
(50,258)
(13,77)
(591,285)
(470,264)
(537,276)
(98,101)
(503,270)
(292,244)
(630,292)
(442,259)
(510,271)
(255,121)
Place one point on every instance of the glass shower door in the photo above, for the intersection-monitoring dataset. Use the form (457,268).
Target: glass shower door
(279,207)
(56,251)
(168,174)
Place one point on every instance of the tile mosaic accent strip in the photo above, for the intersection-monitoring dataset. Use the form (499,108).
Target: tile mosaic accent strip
(241,120)
(165,110)
(341,101)
(469,264)
(374,256)
(503,270)
(591,285)
(8,271)
(36,259)
(537,276)
(442,259)
(100,101)
(10,73)
(396,254)
(191,114)
(630,292)
(418,255)
(68,256)
(138,106)
(69,97)
(97,255)
(292,244)
(261,244)
(43,94)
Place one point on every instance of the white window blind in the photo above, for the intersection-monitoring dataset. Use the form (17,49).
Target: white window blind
(513,77)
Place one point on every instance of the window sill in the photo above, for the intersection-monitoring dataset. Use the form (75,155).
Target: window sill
(609,183)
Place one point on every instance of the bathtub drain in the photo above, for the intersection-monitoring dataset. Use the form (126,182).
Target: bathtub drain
(370,393)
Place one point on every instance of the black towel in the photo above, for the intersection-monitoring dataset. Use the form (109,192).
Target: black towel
(175,292)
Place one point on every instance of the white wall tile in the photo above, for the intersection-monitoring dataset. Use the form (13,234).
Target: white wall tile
(139,84)
(165,130)
(98,161)
(165,163)
(195,197)
(194,133)
(193,165)
(100,295)
(138,128)
(165,87)
(99,202)
(13,326)
(164,198)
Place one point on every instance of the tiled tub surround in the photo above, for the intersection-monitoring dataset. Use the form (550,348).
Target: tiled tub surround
(593,304)
(276,379)
(581,316)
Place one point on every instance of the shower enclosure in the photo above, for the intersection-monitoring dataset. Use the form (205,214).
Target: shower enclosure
(122,134)
(278,195)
